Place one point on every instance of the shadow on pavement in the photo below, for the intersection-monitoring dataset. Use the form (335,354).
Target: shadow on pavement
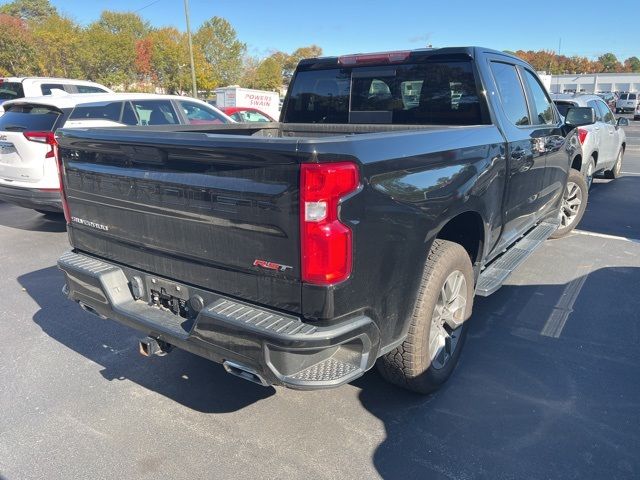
(24,219)
(616,201)
(187,379)
(522,404)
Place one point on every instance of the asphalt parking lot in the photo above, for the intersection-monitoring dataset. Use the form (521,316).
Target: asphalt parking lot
(548,385)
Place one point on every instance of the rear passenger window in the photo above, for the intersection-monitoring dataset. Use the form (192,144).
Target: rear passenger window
(89,89)
(155,112)
(97,111)
(47,87)
(543,114)
(511,93)
(128,115)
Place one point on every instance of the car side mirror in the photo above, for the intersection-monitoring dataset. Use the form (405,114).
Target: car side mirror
(580,116)
(623,122)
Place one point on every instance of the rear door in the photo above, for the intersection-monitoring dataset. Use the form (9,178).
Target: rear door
(610,135)
(23,153)
(525,153)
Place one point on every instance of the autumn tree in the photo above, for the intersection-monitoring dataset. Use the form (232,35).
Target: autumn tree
(17,55)
(28,10)
(268,75)
(221,48)
(610,63)
(56,42)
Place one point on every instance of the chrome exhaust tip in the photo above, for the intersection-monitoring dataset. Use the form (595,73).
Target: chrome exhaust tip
(243,372)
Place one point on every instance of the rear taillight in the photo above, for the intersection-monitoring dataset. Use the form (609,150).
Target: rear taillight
(63,195)
(582,135)
(326,243)
(47,138)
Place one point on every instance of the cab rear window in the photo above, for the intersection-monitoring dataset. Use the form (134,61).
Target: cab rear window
(10,90)
(435,92)
(18,118)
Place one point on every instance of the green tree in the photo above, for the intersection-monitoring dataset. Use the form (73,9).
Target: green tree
(268,75)
(17,56)
(220,46)
(632,64)
(108,48)
(56,42)
(29,10)
(124,23)
(311,51)
(610,63)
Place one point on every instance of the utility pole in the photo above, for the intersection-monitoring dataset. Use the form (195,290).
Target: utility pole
(193,67)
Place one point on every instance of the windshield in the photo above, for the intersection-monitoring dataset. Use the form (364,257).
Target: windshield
(563,107)
(10,90)
(439,93)
(19,118)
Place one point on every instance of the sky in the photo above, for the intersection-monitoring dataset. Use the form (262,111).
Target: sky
(352,26)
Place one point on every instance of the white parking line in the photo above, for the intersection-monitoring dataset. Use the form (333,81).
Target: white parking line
(563,309)
(604,235)
(630,173)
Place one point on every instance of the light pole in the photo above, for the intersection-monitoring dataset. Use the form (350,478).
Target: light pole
(193,67)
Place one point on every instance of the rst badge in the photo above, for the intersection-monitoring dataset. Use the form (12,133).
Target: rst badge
(271,265)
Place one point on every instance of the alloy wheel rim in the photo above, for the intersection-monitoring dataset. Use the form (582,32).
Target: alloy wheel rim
(446,321)
(571,202)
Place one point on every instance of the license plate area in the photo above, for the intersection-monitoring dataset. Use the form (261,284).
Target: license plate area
(170,296)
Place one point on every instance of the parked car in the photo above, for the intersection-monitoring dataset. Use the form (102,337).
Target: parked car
(28,171)
(627,102)
(356,230)
(246,114)
(610,99)
(603,143)
(12,88)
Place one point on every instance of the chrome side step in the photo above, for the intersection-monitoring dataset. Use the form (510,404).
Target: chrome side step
(495,274)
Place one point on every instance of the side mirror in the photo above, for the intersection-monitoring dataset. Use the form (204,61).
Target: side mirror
(580,116)
(623,122)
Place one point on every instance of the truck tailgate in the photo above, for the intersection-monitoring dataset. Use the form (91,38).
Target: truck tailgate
(215,211)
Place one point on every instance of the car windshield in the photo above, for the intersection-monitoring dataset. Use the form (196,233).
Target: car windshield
(563,107)
(632,96)
(434,92)
(623,96)
(10,90)
(19,118)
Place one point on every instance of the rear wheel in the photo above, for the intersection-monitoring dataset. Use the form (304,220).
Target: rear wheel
(591,167)
(574,203)
(617,168)
(428,356)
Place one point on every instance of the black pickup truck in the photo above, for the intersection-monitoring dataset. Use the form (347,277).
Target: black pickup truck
(356,230)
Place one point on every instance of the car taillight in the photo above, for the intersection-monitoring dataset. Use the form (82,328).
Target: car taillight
(63,195)
(326,243)
(582,135)
(43,137)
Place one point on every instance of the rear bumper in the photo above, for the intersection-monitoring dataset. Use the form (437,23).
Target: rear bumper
(47,200)
(280,347)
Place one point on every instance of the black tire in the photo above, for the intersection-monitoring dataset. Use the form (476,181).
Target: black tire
(575,178)
(617,168)
(591,167)
(409,365)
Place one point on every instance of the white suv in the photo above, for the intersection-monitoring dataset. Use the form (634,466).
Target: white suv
(12,88)
(28,167)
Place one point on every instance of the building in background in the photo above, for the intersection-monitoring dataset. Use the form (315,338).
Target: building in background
(595,83)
